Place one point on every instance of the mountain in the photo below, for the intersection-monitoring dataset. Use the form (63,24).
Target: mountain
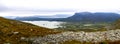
(94,17)
(55,16)
(10,17)
(12,31)
(77,17)
(37,17)
(61,16)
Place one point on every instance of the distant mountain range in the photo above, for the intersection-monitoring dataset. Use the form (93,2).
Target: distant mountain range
(37,17)
(94,17)
(77,17)
(55,16)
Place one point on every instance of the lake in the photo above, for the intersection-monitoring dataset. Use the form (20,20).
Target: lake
(47,24)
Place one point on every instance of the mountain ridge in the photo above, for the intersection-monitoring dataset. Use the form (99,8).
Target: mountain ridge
(95,17)
(79,17)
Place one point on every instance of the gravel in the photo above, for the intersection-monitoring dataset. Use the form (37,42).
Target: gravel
(111,35)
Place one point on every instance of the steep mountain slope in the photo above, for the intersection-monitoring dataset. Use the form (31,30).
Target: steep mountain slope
(12,31)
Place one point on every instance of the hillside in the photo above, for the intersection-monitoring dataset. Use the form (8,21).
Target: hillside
(15,32)
(12,31)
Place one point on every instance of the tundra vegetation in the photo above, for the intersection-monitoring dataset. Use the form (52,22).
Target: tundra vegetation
(15,32)
(12,31)
(88,26)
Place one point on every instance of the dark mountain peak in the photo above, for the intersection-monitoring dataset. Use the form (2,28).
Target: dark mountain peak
(95,17)
(95,14)
(81,14)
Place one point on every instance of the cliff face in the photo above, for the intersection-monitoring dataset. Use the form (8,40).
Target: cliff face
(12,31)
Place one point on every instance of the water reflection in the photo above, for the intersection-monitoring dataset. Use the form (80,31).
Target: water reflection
(47,24)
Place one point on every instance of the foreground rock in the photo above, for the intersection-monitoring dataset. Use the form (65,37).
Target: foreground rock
(112,35)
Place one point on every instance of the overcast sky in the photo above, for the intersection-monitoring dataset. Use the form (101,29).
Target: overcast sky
(52,7)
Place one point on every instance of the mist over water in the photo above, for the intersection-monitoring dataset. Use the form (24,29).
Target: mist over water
(47,24)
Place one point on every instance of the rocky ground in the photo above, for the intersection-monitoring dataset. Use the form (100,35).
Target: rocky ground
(111,35)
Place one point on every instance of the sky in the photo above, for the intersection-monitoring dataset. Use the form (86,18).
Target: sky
(53,7)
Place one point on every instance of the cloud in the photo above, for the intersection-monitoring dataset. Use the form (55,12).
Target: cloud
(27,7)
(35,10)
(3,8)
(61,5)
(45,10)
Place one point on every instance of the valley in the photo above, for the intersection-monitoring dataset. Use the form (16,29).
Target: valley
(72,30)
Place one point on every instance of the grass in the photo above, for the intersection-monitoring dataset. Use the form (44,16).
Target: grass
(9,27)
(87,27)
(115,25)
